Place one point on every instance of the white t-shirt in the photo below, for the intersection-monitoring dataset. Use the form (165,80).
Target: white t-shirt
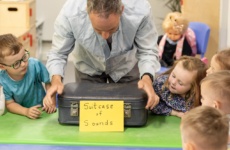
(2,101)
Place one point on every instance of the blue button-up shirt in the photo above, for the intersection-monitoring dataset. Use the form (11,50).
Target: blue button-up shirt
(134,41)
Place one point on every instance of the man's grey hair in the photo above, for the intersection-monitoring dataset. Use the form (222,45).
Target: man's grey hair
(104,7)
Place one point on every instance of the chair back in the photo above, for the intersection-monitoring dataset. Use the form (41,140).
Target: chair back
(202,32)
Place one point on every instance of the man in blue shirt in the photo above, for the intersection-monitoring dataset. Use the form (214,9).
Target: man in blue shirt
(109,41)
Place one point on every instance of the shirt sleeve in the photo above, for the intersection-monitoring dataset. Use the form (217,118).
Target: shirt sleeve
(146,42)
(62,44)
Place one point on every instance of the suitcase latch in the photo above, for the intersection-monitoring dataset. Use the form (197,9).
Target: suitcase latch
(74,109)
(127,110)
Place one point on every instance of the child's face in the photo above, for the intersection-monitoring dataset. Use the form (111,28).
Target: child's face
(184,137)
(173,35)
(180,80)
(214,66)
(206,95)
(13,59)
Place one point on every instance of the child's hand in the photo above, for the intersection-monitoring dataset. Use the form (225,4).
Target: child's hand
(33,112)
(177,113)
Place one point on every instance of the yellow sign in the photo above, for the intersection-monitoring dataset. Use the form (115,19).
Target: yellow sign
(101,116)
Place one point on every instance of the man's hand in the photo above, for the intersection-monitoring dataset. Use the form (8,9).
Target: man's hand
(49,106)
(146,84)
(56,87)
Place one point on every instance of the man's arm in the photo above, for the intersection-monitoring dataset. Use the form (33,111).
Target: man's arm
(62,44)
(55,87)
(49,104)
(148,60)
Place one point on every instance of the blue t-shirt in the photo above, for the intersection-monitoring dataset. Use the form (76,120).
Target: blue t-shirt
(29,91)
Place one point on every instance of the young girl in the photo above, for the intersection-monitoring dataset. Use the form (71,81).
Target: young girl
(178,88)
(220,61)
(178,39)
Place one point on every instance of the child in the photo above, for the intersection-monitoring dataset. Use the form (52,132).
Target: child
(204,128)
(220,61)
(178,39)
(215,91)
(21,78)
(178,88)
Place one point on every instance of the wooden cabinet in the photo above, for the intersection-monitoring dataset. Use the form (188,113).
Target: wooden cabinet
(17,14)
(18,18)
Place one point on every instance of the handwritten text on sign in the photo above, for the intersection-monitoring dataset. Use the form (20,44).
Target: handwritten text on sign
(101,116)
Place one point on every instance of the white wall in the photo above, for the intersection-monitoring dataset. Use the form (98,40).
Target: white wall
(228,35)
(224,37)
(47,10)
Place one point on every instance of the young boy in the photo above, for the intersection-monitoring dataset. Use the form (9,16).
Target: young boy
(220,61)
(204,128)
(215,91)
(21,78)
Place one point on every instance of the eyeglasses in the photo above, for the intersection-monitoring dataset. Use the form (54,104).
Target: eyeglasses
(17,64)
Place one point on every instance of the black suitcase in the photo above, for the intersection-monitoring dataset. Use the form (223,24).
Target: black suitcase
(135,100)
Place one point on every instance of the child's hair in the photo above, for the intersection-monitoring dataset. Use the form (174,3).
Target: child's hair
(190,63)
(222,58)
(219,84)
(9,45)
(206,127)
(175,21)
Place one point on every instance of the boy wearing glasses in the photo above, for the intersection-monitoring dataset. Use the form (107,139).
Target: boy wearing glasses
(21,78)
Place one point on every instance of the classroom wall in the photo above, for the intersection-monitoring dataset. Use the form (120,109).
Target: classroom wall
(159,11)
(44,13)
(228,33)
(211,12)
(207,11)
(224,24)
(47,11)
